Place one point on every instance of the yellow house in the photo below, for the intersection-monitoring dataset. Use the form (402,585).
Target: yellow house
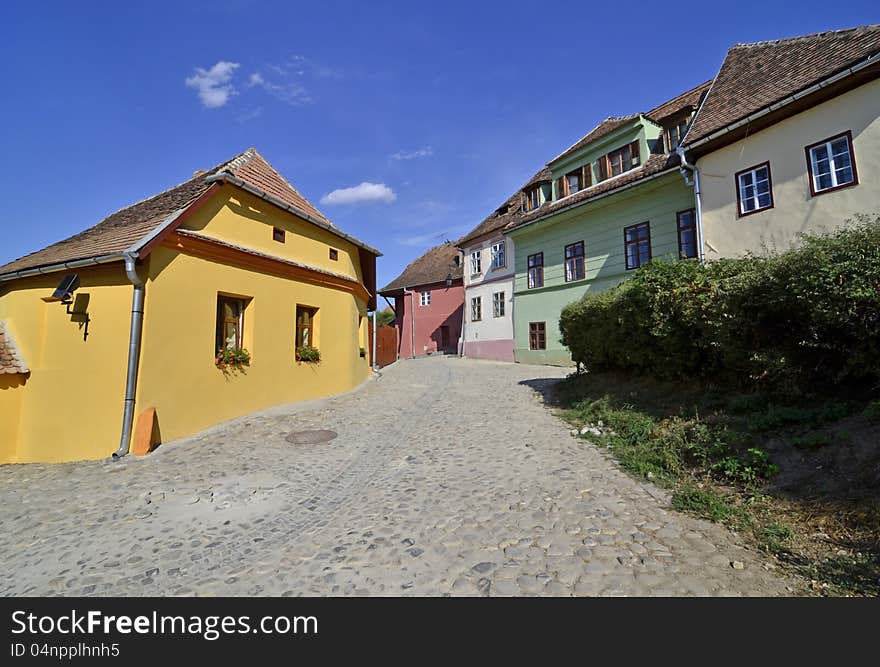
(787,141)
(127,327)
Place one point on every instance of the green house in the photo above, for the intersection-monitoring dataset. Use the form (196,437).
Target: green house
(605,206)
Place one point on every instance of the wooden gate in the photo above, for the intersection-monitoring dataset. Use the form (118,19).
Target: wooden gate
(386,345)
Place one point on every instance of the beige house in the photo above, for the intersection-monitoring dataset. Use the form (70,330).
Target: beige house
(787,140)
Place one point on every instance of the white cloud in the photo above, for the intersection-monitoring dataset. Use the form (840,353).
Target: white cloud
(286,89)
(360,194)
(213,85)
(427,151)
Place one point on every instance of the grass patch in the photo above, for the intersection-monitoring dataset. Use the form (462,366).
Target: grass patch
(713,452)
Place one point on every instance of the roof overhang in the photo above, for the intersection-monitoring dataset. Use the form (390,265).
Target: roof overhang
(828,88)
(224,176)
(623,188)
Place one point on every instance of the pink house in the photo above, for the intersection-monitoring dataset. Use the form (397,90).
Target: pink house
(428,303)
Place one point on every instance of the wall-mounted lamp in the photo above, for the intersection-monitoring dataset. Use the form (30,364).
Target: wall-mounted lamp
(64,294)
(449,279)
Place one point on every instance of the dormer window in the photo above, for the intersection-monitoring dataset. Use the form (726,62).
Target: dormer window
(675,132)
(574,181)
(619,161)
(532,198)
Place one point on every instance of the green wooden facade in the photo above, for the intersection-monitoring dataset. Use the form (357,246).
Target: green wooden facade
(600,224)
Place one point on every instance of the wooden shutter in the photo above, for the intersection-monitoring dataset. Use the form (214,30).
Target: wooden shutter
(602,163)
(586,176)
(636,157)
(560,187)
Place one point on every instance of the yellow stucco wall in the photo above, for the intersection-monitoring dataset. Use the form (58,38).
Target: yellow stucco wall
(70,406)
(236,216)
(178,376)
(795,211)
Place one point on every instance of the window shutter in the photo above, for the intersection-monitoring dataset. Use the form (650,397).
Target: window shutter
(602,163)
(586,176)
(560,187)
(636,157)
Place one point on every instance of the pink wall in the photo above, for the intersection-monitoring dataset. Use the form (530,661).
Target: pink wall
(447,304)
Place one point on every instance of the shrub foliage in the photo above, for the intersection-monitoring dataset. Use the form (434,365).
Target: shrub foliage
(793,322)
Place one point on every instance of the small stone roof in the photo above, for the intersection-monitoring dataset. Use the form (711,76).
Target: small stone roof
(687,101)
(607,126)
(10,357)
(755,76)
(121,230)
(432,267)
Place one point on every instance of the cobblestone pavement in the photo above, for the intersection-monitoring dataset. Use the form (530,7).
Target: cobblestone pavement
(448,476)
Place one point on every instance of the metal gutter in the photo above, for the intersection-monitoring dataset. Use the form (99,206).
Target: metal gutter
(824,83)
(62,266)
(698,202)
(590,200)
(262,194)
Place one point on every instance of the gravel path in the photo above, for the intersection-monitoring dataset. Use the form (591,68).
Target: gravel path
(448,476)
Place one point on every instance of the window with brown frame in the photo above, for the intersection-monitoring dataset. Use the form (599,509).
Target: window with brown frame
(230,323)
(334,254)
(537,335)
(754,189)
(574,262)
(532,198)
(536,270)
(619,161)
(637,244)
(675,132)
(831,164)
(687,234)
(278,234)
(305,326)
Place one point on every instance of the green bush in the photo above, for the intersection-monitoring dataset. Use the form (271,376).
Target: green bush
(790,323)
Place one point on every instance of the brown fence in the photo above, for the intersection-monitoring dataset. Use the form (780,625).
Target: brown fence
(386,345)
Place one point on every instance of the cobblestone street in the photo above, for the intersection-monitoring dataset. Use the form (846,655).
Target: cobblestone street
(448,477)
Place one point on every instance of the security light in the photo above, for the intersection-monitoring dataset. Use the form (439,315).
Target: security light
(449,279)
(64,291)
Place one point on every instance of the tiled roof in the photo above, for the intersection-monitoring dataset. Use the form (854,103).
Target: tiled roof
(432,267)
(10,358)
(754,76)
(507,213)
(121,230)
(655,164)
(605,127)
(688,100)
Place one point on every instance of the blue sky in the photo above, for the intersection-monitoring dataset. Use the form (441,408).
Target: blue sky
(443,109)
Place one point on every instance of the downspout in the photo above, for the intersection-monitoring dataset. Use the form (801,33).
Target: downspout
(412,320)
(134,347)
(373,354)
(695,182)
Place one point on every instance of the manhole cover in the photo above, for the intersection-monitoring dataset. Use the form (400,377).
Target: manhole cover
(310,437)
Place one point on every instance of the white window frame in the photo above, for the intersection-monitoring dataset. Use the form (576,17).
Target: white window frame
(498,304)
(425,298)
(755,198)
(476,309)
(499,250)
(476,262)
(832,165)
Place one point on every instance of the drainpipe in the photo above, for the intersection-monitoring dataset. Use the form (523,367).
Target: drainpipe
(134,347)
(373,354)
(412,320)
(695,182)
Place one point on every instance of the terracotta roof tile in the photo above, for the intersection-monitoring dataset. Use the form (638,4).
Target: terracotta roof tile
(509,212)
(754,76)
(121,230)
(607,126)
(432,267)
(10,358)
(655,164)
(688,100)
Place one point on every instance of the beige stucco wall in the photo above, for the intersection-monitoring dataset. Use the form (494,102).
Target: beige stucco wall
(795,210)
